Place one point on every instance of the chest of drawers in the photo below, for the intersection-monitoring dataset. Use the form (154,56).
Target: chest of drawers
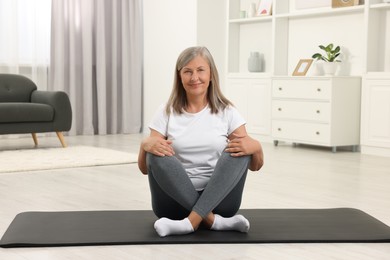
(322,111)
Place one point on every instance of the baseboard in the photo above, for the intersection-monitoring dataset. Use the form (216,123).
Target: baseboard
(372,150)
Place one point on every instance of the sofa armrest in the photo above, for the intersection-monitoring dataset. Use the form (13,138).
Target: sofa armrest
(61,104)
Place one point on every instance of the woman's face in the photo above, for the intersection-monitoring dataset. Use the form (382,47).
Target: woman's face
(195,77)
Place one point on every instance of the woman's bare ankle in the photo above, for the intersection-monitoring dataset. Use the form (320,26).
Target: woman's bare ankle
(195,219)
(209,220)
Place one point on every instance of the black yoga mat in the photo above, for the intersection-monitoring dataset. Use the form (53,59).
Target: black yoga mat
(82,228)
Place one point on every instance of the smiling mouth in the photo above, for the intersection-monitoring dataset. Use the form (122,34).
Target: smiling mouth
(195,85)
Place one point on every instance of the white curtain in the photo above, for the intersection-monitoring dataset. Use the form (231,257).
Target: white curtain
(96,57)
(25,39)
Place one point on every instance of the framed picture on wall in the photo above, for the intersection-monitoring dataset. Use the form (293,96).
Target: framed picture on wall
(265,8)
(302,67)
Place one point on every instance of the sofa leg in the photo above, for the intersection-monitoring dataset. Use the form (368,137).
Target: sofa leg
(34,136)
(61,137)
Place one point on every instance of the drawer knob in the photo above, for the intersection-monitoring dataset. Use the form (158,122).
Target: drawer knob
(279,129)
(279,109)
(317,133)
(319,89)
(318,111)
(280,88)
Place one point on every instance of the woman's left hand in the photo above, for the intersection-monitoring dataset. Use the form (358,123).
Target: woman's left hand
(241,145)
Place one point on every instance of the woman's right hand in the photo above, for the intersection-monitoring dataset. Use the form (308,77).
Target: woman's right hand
(158,145)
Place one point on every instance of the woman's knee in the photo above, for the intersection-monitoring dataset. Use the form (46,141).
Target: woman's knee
(152,159)
(155,162)
(235,164)
(234,159)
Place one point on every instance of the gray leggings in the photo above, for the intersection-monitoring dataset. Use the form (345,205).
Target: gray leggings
(174,196)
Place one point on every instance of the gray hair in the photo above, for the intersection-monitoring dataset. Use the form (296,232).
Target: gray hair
(178,99)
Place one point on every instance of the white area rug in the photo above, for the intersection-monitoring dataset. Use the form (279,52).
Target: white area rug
(58,158)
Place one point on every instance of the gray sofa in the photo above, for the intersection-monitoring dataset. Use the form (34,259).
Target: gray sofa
(24,109)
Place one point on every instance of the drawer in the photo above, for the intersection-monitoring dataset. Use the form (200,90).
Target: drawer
(301,132)
(303,89)
(301,110)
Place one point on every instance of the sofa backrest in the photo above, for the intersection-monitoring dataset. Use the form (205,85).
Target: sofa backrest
(16,88)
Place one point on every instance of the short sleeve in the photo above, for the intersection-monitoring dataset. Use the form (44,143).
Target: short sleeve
(235,119)
(159,121)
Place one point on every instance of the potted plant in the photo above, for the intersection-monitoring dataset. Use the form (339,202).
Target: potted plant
(330,58)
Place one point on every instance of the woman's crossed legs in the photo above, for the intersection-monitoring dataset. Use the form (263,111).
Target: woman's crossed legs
(182,209)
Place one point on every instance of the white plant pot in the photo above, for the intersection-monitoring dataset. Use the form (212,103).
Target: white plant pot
(330,68)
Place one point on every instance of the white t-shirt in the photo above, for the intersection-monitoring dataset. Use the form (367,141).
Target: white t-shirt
(198,139)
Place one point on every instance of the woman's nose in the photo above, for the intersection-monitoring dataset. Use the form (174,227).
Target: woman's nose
(194,76)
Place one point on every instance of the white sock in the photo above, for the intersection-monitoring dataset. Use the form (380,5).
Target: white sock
(236,223)
(166,227)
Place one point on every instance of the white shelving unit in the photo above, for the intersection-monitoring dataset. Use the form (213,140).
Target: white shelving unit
(377,39)
(288,35)
(375,121)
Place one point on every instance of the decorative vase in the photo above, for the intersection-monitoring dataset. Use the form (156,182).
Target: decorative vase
(330,68)
(254,62)
(252,10)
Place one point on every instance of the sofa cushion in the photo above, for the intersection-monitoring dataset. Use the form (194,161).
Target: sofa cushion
(15,88)
(14,112)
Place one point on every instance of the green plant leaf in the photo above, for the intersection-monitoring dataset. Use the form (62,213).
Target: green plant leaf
(331,54)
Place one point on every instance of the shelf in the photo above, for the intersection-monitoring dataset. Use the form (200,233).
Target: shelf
(325,77)
(258,19)
(326,11)
(380,6)
(248,75)
(377,75)
(322,12)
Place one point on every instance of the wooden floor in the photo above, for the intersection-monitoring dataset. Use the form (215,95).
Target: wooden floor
(293,177)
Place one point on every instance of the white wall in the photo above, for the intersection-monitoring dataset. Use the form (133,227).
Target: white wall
(169,28)
(212,32)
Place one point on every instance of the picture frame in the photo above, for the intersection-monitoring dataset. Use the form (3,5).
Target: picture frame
(302,67)
(264,8)
(344,3)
